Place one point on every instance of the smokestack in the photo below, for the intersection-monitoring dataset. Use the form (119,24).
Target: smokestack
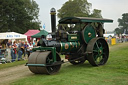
(53,21)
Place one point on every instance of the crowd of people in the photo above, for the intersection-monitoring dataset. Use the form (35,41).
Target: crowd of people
(19,50)
(119,39)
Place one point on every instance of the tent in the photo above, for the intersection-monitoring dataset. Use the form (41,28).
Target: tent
(29,33)
(38,35)
(110,34)
(12,35)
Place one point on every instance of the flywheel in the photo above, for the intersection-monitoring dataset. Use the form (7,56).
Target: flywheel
(88,33)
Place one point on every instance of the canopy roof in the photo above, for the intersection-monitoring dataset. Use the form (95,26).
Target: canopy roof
(74,20)
(38,35)
(12,35)
(29,33)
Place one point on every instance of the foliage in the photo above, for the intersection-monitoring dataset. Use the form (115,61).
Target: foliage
(78,8)
(113,73)
(118,31)
(123,23)
(18,15)
(96,13)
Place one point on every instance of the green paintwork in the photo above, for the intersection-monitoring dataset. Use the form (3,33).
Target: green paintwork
(98,50)
(74,20)
(88,29)
(40,65)
(53,49)
(69,46)
(73,37)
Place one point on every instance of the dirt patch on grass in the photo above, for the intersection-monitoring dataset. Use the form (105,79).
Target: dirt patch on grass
(11,74)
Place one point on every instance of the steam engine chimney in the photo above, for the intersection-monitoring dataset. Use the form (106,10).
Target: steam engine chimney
(53,21)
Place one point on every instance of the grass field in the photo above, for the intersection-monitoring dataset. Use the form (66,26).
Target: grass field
(3,66)
(115,72)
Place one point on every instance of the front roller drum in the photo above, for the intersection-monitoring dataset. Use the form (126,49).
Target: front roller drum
(97,51)
(45,58)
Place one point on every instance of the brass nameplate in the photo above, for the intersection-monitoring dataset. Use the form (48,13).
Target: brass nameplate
(73,37)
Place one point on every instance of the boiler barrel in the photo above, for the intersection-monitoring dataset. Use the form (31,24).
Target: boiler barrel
(69,46)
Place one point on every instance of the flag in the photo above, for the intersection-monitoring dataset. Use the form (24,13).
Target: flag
(124,31)
(44,26)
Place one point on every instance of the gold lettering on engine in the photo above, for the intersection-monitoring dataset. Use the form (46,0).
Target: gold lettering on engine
(73,37)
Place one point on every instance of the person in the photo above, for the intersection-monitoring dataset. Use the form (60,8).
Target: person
(122,38)
(14,51)
(20,52)
(22,47)
(8,46)
(16,43)
(9,43)
(0,46)
(42,41)
(29,49)
(0,50)
(25,47)
(37,41)
(34,43)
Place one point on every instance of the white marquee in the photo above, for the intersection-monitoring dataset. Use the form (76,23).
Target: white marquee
(12,35)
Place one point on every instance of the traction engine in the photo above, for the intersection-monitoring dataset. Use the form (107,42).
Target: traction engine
(83,41)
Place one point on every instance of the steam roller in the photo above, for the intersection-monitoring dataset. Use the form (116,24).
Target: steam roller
(77,38)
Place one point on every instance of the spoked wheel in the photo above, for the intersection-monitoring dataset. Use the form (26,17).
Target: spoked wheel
(77,61)
(43,58)
(98,51)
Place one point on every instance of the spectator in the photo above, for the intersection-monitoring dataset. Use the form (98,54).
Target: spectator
(34,43)
(0,46)
(16,43)
(22,47)
(109,39)
(20,52)
(29,50)
(14,51)
(125,39)
(122,38)
(8,45)
(0,49)
(25,48)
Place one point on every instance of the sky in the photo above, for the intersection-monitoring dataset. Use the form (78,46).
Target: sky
(110,9)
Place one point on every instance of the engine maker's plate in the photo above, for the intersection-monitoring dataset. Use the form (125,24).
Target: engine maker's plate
(88,33)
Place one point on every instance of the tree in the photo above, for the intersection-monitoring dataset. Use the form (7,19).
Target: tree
(18,15)
(118,31)
(78,8)
(96,13)
(123,23)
